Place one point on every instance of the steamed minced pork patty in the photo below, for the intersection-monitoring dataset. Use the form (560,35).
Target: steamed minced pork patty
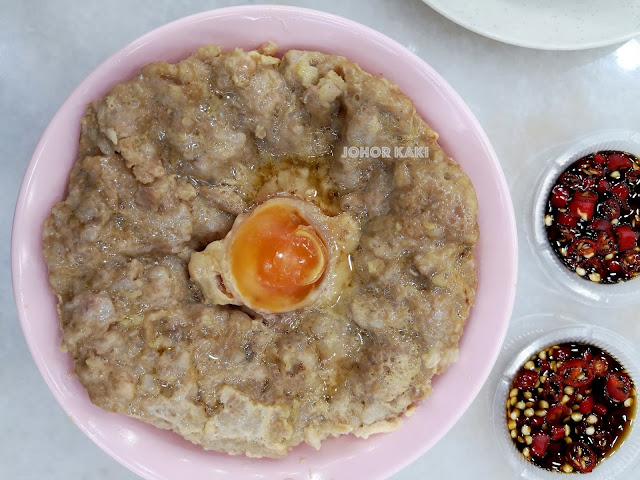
(166,163)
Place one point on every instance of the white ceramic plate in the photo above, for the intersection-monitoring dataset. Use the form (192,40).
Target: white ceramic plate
(546,24)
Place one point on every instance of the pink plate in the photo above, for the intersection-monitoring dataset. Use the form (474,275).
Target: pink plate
(158,454)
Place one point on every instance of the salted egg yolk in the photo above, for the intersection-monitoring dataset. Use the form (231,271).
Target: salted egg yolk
(277,258)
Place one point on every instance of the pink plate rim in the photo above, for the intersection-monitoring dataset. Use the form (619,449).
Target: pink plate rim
(156,454)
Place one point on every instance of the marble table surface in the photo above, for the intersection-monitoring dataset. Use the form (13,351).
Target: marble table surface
(531,103)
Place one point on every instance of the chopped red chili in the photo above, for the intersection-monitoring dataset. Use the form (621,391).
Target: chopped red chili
(593,213)
(569,406)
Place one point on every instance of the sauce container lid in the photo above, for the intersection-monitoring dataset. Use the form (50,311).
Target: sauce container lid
(605,295)
(530,335)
